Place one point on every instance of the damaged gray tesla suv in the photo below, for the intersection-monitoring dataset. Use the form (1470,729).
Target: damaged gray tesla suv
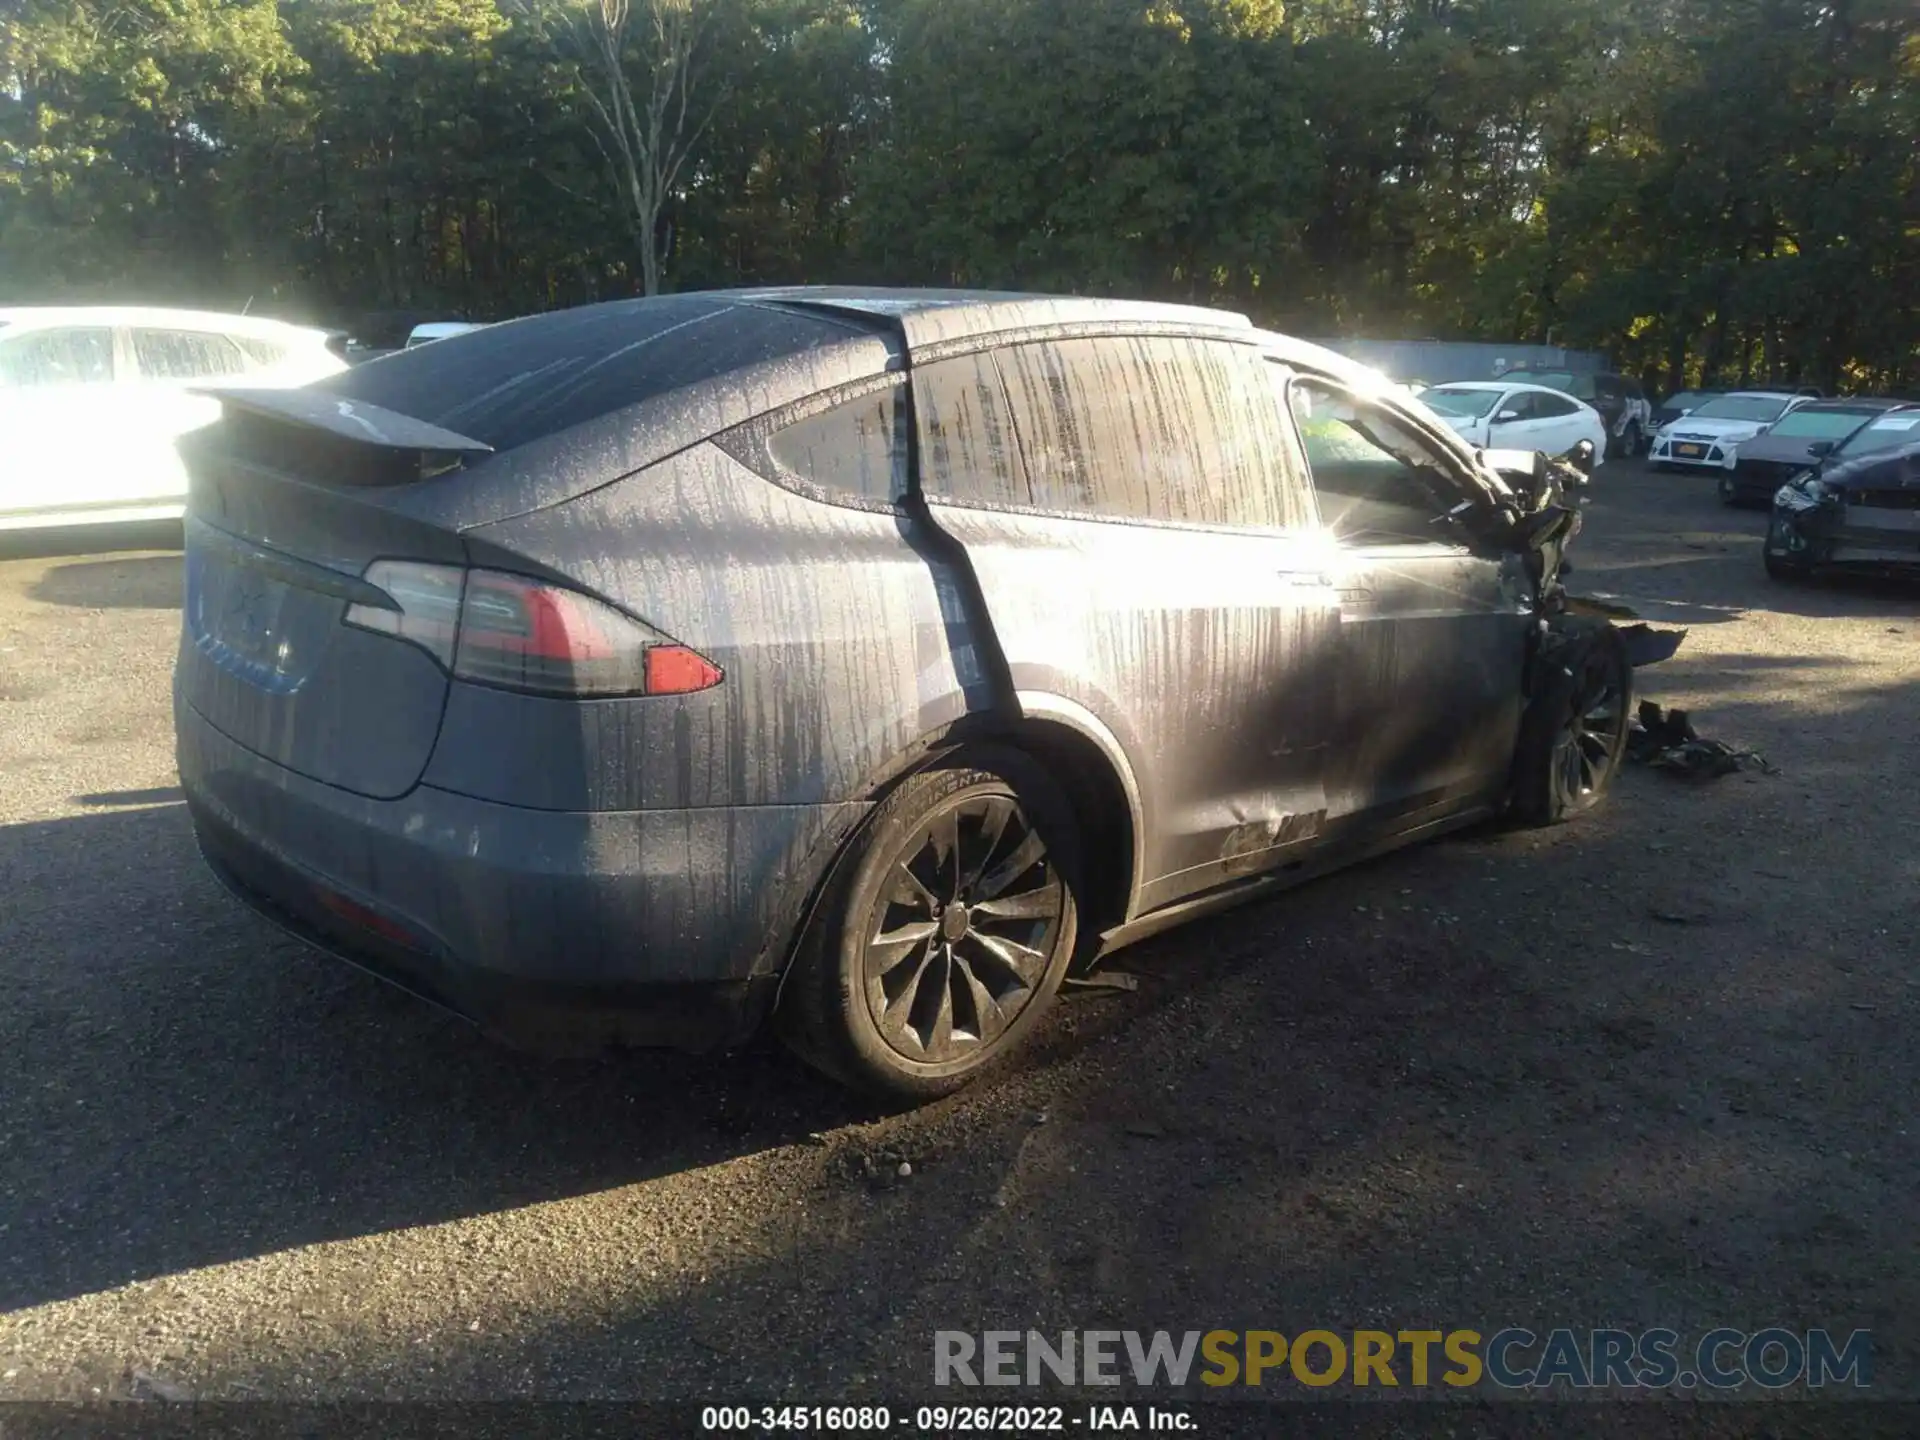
(857,659)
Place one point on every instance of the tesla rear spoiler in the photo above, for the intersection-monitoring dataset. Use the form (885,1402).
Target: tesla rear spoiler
(347,419)
(329,438)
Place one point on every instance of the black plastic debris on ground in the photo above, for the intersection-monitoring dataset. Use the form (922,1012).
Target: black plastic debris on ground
(1666,740)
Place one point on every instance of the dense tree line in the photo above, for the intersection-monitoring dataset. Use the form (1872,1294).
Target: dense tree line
(1718,189)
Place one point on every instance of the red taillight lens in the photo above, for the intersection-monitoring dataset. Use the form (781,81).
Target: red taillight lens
(508,631)
(676,670)
(366,919)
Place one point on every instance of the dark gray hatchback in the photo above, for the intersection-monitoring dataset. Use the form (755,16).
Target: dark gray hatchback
(864,658)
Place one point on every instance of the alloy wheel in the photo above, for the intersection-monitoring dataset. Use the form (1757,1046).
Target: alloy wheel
(1590,740)
(963,933)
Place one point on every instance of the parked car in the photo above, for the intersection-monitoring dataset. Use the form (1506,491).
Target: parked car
(1756,468)
(438,330)
(1858,511)
(92,401)
(1701,440)
(1681,402)
(861,658)
(1619,400)
(1503,415)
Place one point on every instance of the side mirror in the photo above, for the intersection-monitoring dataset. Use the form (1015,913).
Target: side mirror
(1506,417)
(1820,449)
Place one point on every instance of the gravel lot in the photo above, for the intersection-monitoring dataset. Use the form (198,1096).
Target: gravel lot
(1652,1068)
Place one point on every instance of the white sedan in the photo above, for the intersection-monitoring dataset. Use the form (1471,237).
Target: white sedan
(1503,415)
(1709,437)
(92,401)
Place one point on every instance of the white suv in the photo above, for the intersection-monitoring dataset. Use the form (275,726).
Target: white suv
(93,399)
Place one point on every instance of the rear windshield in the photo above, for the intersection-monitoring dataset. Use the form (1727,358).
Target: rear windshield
(511,384)
(1902,428)
(1819,424)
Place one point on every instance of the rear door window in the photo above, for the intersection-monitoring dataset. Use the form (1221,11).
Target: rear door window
(1552,406)
(857,449)
(186,354)
(74,355)
(1155,429)
(967,450)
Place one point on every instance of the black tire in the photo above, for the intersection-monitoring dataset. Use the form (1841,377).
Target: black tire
(1782,569)
(1574,734)
(954,990)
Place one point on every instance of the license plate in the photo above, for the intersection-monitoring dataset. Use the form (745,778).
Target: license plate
(1692,452)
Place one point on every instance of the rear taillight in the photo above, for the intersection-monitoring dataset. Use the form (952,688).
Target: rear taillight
(428,597)
(514,633)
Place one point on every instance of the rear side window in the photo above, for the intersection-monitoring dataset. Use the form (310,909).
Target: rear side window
(967,450)
(186,354)
(1549,406)
(77,356)
(1157,429)
(857,448)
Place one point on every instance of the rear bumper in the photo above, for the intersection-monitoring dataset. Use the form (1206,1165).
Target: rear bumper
(562,932)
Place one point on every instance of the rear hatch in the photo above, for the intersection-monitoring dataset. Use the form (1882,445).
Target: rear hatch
(296,492)
(272,563)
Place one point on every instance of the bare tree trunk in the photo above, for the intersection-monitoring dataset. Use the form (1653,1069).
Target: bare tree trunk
(636,67)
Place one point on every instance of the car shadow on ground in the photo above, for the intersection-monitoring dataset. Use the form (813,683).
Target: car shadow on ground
(186,1085)
(136,582)
(1602,1074)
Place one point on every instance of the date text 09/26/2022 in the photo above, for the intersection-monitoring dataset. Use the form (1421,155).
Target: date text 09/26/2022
(949,1419)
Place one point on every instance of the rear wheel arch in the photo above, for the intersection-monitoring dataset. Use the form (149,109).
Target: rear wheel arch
(1089,764)
(882,934)
(1082,756)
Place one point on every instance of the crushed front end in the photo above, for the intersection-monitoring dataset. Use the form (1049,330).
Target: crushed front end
(1860,516)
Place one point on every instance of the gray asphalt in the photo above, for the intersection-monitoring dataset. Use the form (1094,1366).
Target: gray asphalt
(1652,1068)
